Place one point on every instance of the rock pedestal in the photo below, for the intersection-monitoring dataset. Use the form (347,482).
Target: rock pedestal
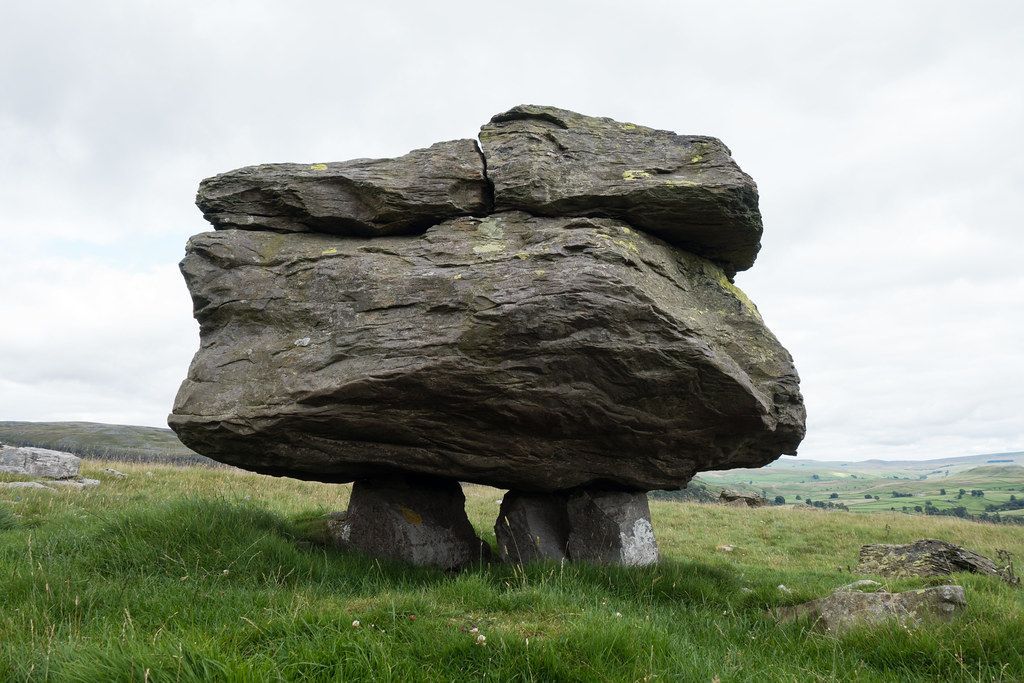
(598,527)
(413,519)
(532,526)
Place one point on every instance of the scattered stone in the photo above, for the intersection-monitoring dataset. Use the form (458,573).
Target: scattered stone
(24,485)
(844,609)
(38,462)
(725,548)
(740,499)
(519,352)
(366,197)
(78,483)
(417,520)
(114,473)
(686,189)
(611,528)
(782,588)
(928,557)
(532,526)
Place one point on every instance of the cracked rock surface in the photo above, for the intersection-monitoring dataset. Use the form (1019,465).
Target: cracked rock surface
(377,318)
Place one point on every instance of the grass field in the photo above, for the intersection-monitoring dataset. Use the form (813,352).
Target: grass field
(197,574)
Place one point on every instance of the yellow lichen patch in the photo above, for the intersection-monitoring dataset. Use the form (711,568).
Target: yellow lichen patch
(676,182)
(539,273)
(629,126)
(626,230)
(628,245)
(329,252)
(318,167)
(522,255)
(410,515)
(635,174)
(458,276)
(488,248)
(696,159)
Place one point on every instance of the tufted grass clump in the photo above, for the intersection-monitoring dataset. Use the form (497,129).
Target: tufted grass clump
(199,574)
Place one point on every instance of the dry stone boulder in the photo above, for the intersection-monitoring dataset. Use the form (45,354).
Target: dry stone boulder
(367,197)
(740,499)
(413,519)
(846,609)
(38,462)
(928,557)
(685,189)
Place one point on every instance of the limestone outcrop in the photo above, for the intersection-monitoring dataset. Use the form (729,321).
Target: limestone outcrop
(43,463)
(847,608)
(551,311)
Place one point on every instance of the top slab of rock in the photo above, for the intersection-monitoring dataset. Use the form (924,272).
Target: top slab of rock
(685,189)
(38,462)
(365,197)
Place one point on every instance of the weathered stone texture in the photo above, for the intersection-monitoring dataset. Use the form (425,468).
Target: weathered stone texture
(522,352)
(928,557)
(685,189)
(412,519)
(38,462)
(611,528)
(846,609)
(367,197)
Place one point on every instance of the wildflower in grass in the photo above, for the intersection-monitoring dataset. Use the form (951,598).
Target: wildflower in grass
(481,639)
(356,624)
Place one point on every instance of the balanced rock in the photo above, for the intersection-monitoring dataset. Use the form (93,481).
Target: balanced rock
(847,609)
(417,520)
(38,462)
(552,312)
(522,352)
(928,557)
(685,189)
(365,197)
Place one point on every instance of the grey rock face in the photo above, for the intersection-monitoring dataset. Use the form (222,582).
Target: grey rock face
(365,197)
(685,189)
(537,354)
(928,557)
(846,609)
(532,527)
(38,462)
(611,528)
(417,520)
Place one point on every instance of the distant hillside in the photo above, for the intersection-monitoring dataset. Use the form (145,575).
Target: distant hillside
(93,439)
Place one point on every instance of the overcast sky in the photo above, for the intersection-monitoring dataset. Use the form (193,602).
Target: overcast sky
(887,141)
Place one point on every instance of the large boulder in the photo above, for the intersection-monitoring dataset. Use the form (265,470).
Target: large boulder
(685,189)
(38,462)
(523,352)
(361,197)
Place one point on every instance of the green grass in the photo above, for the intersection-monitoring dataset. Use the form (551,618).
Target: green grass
(200,574)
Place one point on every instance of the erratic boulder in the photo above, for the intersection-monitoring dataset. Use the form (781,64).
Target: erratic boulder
(531,353)
(552,312)
(741,499)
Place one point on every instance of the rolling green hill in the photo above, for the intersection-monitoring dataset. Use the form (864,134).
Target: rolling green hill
(93,439)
